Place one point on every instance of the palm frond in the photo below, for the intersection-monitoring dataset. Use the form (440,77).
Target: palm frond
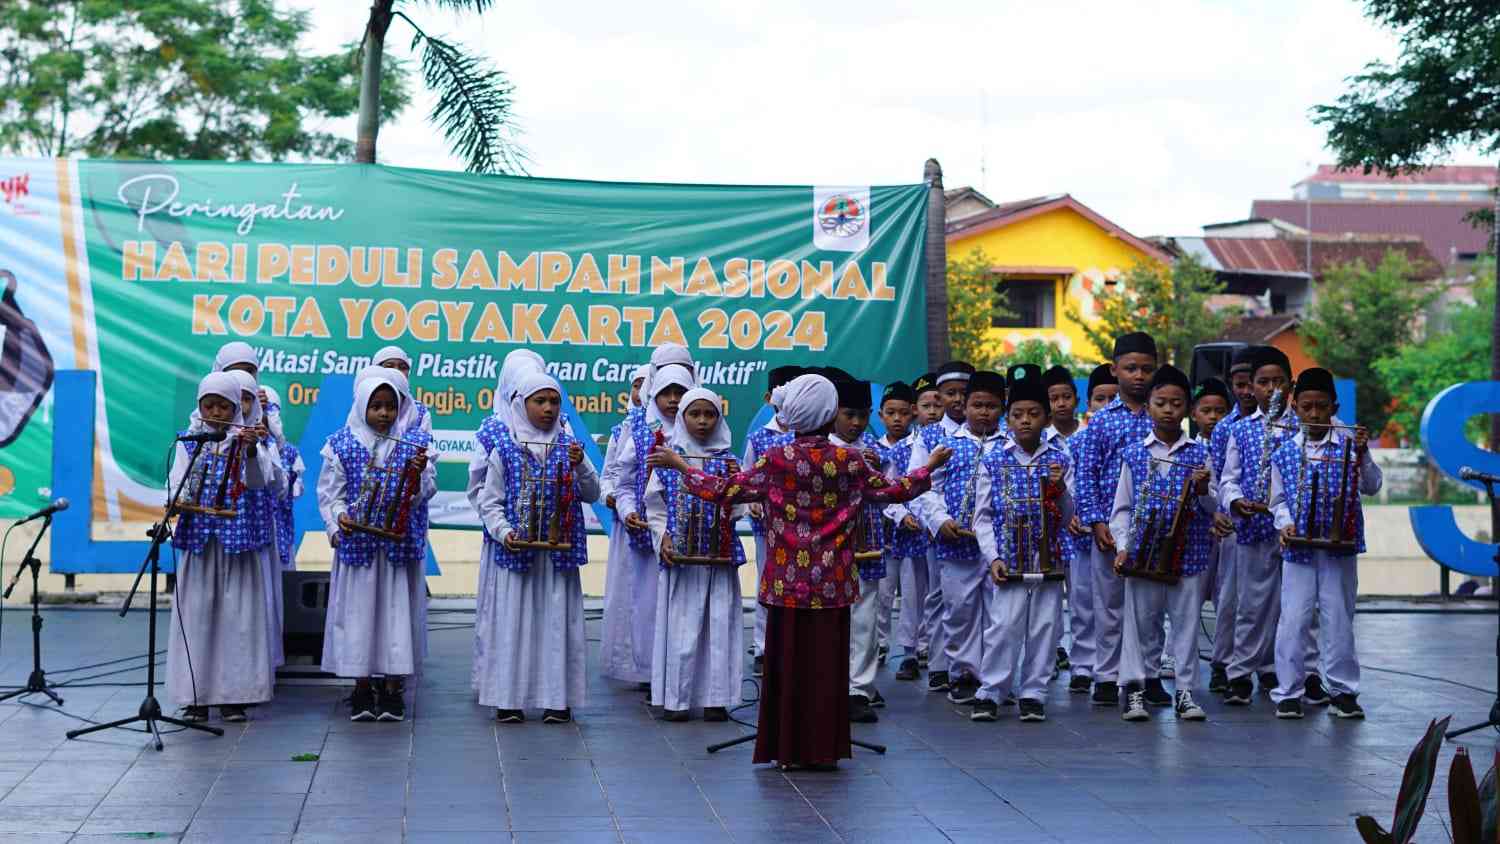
(474,108)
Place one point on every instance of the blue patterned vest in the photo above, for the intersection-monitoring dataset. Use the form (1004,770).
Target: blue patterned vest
(761,441)
(1071,444)
(1110,431)
(931,435)
(251,528)
(286,528)
(704,518)
(1014,494)
(1249,435)
(904,544)
(357,548)
(1157,495)
(421,414)
(1288,459)
(958,497)
(643,436)
(518,461)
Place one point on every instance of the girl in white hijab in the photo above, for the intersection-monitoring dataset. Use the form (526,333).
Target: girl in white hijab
(629,637)
(699,636)
(264,503)
(239,356)
(394,357)
(219,653)
(371,631)
(531,627)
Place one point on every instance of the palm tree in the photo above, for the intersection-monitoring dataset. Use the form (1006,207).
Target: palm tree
(474,106)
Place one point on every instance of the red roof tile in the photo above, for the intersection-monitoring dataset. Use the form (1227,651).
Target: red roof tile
(1459,174)
(1255,254)
(1441,225)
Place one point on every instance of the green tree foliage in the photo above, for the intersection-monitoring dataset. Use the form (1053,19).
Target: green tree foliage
(1360,315)
(1046,354)
(1457,351)
(199,79)
(974,303)
(1170,305)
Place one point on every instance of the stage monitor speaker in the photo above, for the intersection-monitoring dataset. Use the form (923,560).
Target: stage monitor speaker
(304,601)
(1212,360)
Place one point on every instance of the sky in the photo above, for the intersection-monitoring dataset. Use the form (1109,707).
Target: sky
(1160,116)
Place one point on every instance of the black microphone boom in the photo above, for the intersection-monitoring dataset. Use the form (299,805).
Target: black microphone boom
(203,437)
(56,506)
(1469,473)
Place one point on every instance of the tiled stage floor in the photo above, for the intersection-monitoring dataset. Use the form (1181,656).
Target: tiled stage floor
(449,773)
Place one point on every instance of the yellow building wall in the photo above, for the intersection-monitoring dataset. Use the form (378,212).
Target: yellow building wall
(1059,238)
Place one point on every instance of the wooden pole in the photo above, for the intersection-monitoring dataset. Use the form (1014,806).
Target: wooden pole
(937,265)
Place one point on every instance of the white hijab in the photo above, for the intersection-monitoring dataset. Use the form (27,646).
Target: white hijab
(518,364)
(670,358)
(233,352)
(718,438)
(391,353)
(364,390)
(660,380)
(521,428)
(806,403)
(247,384)
(640,373)
(223,385)
(408,415)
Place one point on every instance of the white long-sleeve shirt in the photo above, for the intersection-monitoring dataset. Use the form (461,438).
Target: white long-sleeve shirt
(490,501)
(1328,447)
(1121,518)
(333,483)
(984,512)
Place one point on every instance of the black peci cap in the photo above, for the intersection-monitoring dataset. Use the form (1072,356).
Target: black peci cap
(1317,379)
(898,391)
(1101,375)
(1024,382)
(1213,387)
(926,381)
(1136,342)
(954,369)
(986,381)
(1057,375)
(853,393)
(1271,356)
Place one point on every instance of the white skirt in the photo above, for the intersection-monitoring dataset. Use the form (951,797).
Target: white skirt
(700,638)
(370,620)
(219,649)
(533,640)
(629,635)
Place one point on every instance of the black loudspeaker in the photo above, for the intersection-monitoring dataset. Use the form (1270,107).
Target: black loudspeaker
(1212,360)
(304,602)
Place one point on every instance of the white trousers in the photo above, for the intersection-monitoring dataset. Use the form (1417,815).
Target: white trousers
(1023,623)
(1322,592)
(1225,601)
(935,616)
(912,632)
(1257,606)
(759,646)
(1081,615)
(1147,603)
(887,590)
(864,657)
(1109,604)
(965,594)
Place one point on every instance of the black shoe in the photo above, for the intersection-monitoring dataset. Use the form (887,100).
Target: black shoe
(392,707)
(1289,708)
(1218,679)
(195,713)
(860,711)
(510,716)
(1346,706)
(922,657)
(557,716)
(714,714)
(1106,693)
(758,667)
(362,706)
(1080,684)
(675,715)
(1156,694)
(937,681)
(1062,661)
(1135,704)
(984,710)
(962,692)
(1313,693)
(233,714)
(876,701)
(908,670)
(1240,692)
(1267,681)
(1032,710)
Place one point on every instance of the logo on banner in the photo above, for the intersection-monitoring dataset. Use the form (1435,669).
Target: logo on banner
(841,219)
(14,190)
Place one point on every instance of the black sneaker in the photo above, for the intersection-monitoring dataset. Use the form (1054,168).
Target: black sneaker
(195,713)
(557,716)
(937,681)
(1135,705)
(233,714)
(1313,692)
(1188,709)
(392,706)
(675,715)
(908,670)
(1106,693)
(984,710)
(1062,661)
(1289,708)
(713,714)
(510,716)
(1156,693)
(1032,710)
(1240,692)
(860,711)
(962,692)
(1218,679)
(1346,706)
(362,706)
(876,701)
(1267,681)
(1080,684)
(758,667)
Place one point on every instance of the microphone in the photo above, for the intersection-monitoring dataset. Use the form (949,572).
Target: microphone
(59,504)
(1469,473)
(204,437)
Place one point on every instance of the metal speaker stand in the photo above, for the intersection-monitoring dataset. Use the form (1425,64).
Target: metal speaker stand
(1494,719)
(37,682)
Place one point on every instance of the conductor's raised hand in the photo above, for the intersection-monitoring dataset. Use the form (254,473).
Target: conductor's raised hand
(1103,539)
(575,454)
(662,457)
(938,457)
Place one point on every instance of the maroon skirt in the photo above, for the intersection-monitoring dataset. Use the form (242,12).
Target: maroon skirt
(804,701)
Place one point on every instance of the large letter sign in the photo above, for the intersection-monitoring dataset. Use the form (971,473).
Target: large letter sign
(1443,437)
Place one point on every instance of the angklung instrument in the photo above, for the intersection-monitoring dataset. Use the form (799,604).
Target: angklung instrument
(215,486)
(1158,532)
(1028,533)
(545,507)
(965,514)
(1274,410)
(1337,532)
(381,507)
(703,531)
(869,526)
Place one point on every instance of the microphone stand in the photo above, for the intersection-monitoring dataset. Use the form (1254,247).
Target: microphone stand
(1494,719)
(37,682)
(150,711)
